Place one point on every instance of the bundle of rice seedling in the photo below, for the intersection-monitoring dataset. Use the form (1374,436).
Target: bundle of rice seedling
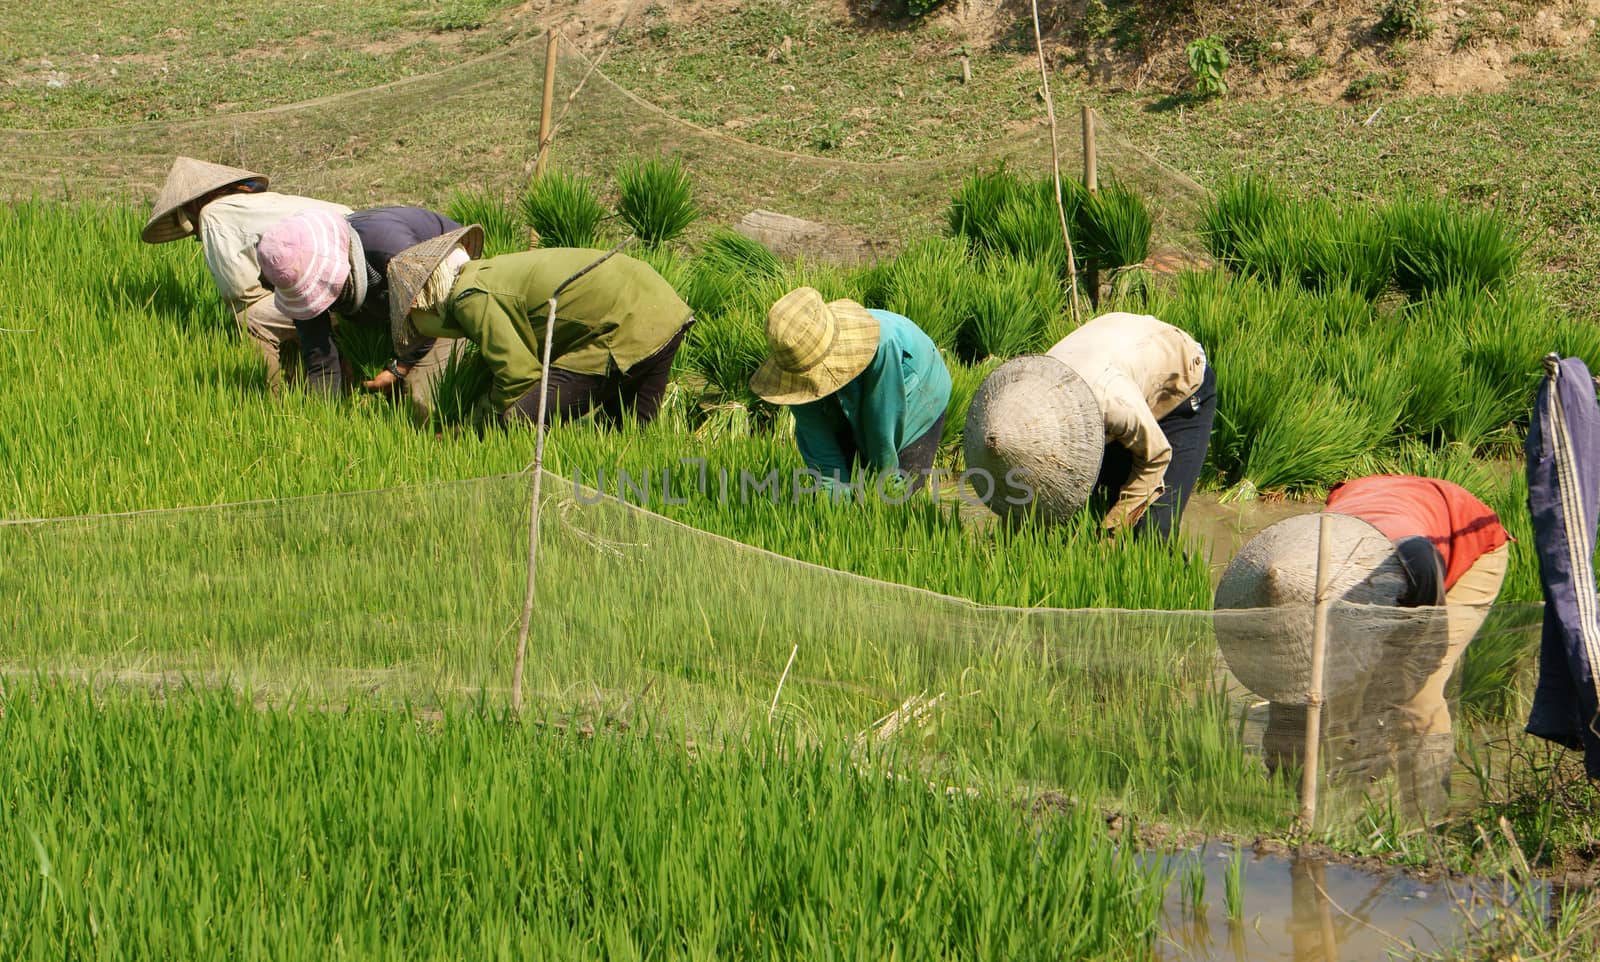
(1113,226)
(725,349)
(656,199)
(1028,224)
(1238,210)
(1313,439)
(1439,245)
(502,231)
(976,205)
(464,380)
(564,210)
(1012,303)
(964,381)
(930,282)
(725,269)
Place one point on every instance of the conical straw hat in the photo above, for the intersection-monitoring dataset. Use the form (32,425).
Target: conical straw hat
(409,271)
(1265,610)
(815,347)
(188,180)
(1034,421)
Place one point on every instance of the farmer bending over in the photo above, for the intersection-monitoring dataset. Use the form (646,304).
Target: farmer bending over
(617,328)
(868,387)
(319,264)
(228,209)
(1158,397)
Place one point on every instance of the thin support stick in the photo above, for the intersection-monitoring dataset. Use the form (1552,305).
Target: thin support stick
(538,475)
(781,678)
(1055,160)
(1319,647)
(545,118)
(1091,184)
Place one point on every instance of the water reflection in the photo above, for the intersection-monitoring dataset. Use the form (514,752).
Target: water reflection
(1306,910)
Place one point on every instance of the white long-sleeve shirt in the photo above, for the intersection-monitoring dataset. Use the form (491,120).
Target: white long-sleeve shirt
(231,225)
(1139,369)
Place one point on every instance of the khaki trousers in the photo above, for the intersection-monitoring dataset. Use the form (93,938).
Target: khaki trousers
(1468,601)
(274,337)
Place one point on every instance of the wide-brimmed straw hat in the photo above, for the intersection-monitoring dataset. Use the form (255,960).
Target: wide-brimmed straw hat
(815,347)
(188,180)
(409,271)
(1034,422)
(307,259)
(1265,612)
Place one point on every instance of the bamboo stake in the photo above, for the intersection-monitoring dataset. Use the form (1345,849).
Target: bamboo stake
(538,474)
(545,117)
(1055,160)
(1091,183)
(1319,646)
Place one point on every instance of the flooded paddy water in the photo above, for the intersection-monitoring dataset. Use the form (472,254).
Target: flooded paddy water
(1295,909)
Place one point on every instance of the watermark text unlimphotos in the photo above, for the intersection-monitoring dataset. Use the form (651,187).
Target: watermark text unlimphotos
(693,478)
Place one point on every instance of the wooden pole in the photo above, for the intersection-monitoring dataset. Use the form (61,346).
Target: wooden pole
(1055,161)
(1319,648)
(545,104)
(1091,183)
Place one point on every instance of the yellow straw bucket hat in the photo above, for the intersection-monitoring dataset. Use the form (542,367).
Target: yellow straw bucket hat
(815,347)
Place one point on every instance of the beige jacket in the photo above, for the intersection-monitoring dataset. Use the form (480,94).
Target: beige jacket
(1139,369)
(231,225)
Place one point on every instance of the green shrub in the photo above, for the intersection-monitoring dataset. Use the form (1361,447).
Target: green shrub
(1208,65)
(1439,245)
(656,199)
(930,282)
(502,232)
(1406,18)
(1113,226)
(564,210)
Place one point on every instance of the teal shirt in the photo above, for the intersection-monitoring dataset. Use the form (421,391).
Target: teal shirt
(884,408)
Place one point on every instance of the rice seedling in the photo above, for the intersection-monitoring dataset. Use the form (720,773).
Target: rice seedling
(1233,886)
(655,199)
(1239,210)
(977,203)
(1438,245)
(931,282)
(725,269)
(1313,439)
(461,388)
(1028,224)
(1193,883)
(1012,303)
(564,210)
(503,230)
(1113,226)
(964,382)
(725,349)
(300,822)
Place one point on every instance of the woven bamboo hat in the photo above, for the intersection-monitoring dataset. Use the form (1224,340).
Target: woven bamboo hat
(815,347)
(1034,420)
(188,180)
(409,271)
(1265,609)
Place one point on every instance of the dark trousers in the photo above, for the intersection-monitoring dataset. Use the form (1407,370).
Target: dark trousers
(1188,430)
(636,392)
(916,458)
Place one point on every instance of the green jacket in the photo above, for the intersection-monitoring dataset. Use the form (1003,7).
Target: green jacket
(608,320)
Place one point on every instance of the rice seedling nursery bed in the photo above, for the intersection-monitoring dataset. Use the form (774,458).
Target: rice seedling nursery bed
(126,389)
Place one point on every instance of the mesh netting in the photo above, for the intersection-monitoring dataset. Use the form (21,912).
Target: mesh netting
(414,593)
(475,125)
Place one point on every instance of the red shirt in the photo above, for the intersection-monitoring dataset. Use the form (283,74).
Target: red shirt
(1463,528)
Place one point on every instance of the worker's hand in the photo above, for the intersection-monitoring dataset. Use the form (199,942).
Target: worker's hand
(386,381)
(1123,516)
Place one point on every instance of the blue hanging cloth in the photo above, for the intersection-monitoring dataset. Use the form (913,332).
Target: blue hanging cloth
(1563,452)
